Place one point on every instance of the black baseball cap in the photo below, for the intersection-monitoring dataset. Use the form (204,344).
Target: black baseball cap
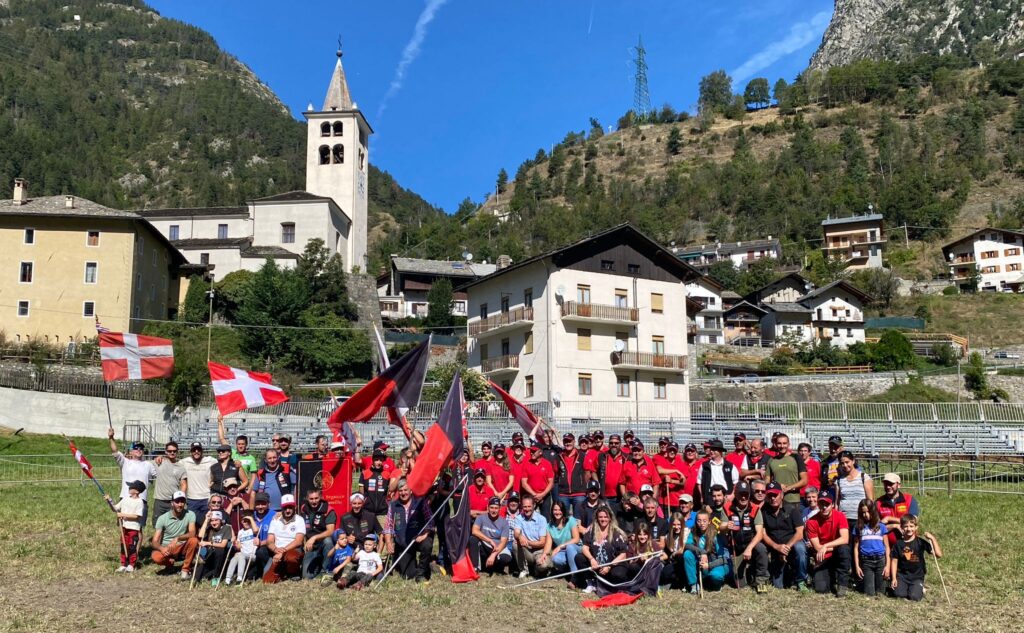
(637,445)
(513,496)
(137,485)
(663,440)
(827,495)
(742,488)
(262,496)
(583,439)
(673,446)
(774,488)
(593,485)
(494,501)
(223,448)
(379,454)
(479,472)
(138,446)
(739,436)
(835,439)
(196,446)
(568,436)
(517,436)
(598,434)
(628,432)
(691,447)
(486,444)
(499,448)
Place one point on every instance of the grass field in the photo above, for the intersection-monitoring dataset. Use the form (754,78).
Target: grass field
(59,546)
(988,319)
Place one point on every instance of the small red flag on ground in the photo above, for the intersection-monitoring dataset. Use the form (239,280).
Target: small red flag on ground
(127,356)
(237,390)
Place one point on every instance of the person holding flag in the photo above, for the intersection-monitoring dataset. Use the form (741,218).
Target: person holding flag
(133,468)
(409,533)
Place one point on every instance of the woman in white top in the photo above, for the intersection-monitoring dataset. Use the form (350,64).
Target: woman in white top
(853,486)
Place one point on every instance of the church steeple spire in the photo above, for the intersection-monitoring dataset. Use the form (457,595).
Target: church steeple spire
(338,96)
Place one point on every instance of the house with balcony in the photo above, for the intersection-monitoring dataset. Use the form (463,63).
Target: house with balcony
(786,289)
(795,311)
(705,324)
(996,256)
(402,291)
(601,320)
(857,241)
(742,324)
(741,254)
(837,312)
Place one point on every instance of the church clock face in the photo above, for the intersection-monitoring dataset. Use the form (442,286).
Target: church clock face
(362,184)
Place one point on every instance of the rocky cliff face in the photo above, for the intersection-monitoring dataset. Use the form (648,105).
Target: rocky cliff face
(902,29)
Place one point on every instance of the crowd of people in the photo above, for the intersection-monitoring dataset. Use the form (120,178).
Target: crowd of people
(588,510)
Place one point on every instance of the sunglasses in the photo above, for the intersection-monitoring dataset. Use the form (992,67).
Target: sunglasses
(171,450)
(197,450)
(178,501)
(614,443)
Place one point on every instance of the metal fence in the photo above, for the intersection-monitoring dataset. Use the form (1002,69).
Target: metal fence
(58,468)
(58,382)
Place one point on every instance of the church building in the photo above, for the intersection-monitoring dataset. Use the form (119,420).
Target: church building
(333,207)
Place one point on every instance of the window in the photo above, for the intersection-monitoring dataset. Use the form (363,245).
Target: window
(506,385)
(504,303)
(528,297)
(624,337)
(338,154)
(657,303)
(529,386)
(622,386)
(483,351)
(849,332)
(174,232)
(505,347)
(23,308)
(89,309)
(990,269)
(621,298)
(607,264)
(989,254)
(287,232)
(835,331)
(528,342)
(154,258)
(339,128)
(660,389)
(658,345)
(222,231)
(1010,252)
(633,269)
(585,383)
(90,272)
(325,129)
(152,292)
(92,238)
(583,340)
(325,155)
(582,294)
(204,258)
(1012,268)
(483,310)
(25,274)
(30,236)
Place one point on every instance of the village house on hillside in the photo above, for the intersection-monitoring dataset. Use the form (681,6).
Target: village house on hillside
(996,256)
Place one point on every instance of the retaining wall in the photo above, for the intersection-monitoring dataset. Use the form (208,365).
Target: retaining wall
(81,416)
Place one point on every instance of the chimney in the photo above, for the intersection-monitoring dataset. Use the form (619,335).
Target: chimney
(69,202)
(20,191)
(504,261)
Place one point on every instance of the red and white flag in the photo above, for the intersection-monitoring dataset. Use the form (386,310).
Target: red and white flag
(82,461)
(522,415)
(237,389)
(135,357)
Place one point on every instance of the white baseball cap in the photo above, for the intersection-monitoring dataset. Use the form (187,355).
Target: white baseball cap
(287,500)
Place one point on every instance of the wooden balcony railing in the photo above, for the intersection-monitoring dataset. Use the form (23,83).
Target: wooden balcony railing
(510,361)
(518,315)
(649,359)
(599,311)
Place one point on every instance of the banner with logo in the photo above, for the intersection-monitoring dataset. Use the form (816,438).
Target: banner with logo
(331,476)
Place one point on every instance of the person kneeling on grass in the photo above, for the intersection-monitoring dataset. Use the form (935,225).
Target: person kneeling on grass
(338,559)
(175,536)
(829,534)
(214,547)
(286,535)
(369,562)
(907,569)
(245,544)
(704,550)
(130,511)
(604,545)
(488,544)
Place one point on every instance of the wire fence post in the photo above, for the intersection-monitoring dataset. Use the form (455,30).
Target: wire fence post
(949,475)
(920,476)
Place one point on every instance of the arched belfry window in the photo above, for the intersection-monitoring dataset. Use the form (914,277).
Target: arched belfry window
(338,154)
(325,155)
(339,128)
(325,129)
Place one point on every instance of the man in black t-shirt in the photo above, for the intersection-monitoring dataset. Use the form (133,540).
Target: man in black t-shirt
(590,505)
(320,522)
(784,538)
(359,521)
(659,526)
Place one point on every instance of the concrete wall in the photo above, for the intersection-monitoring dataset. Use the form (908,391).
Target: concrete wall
(79,416)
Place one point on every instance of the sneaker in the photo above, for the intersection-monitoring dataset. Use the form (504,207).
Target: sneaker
(444,572)
(841,591)
(129,569)
(185,574)
(227,581)
(215,582)
(524,574)
(240,580)
(121,569)
(342,583)
(802,587)
(589,589)
(761,587)
(695,590)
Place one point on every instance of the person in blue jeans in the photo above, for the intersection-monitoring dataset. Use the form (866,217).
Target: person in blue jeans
(871,549)
(784,538)
(705,550)
(565,537)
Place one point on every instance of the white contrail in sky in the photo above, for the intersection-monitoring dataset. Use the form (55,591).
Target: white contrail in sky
(410,52)
(800,34)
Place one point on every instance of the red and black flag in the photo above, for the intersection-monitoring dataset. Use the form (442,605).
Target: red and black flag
(457,532)
(398,386)
(444,440)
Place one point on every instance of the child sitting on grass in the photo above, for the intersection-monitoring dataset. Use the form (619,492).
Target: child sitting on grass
(907,570)
(245,543)
(370,565)
(338,557)
(129,511)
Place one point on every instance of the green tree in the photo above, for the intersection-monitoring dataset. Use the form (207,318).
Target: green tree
(502,182)
(780,91)
(725,273)
(674,145)
(323,273)
(893,351)
(596,131)
(474,385)
(757,93)
(715,92)
(196,306)
(975,378)
(440,304)
(230,292)
(756,275)
(881,283)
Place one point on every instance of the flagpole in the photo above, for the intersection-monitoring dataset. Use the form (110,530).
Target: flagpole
(443,505)
(569,573)
(93,479)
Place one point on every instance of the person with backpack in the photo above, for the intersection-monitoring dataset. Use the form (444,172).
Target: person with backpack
(853,486)
(276,479)
(716,470)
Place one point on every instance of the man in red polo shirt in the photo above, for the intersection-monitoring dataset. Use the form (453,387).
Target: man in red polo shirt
(606,470)
(538,480)
(517,465)
(813,467)
(670,468)
(738,456)
(636,472)
(691,464)
(486,458)
(829,534)
(479,493)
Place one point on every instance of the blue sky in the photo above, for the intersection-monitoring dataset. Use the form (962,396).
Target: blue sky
(491,82)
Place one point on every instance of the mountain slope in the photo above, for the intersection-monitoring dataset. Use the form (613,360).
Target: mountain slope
(904,29)
(131,109)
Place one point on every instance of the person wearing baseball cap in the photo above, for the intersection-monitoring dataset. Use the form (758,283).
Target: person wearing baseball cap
(539,480)
(133,468)
(570,474)
(374,484)
(746,531)
(214,547)
(830,465)
(893,504)
(170,478)
(367,460)
(517,464)
(479,493)
(829,533)
(638,472)
(606,470)
(197,470)
(784,539)
(409,534)
(226,468)
(261,518)
(716,471)
(489,547)
(738,456)
(175,536)
(591,502)
(670,469)
(285,541)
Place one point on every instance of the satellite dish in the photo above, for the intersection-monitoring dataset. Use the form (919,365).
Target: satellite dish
(556,399)
(619,345)
(466,255)
(951,256)
(560,290)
